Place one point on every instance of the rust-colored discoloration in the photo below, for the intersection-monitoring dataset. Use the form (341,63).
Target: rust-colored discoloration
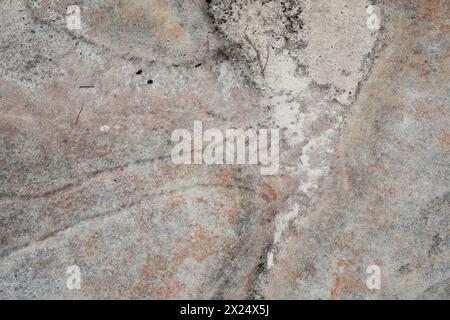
(202,246)
(363,175)
(176,201)
(231,216)
(170,27)
(444,140)
(156,268)
(345,281)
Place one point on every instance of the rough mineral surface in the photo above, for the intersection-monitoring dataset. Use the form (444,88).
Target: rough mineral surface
(359,89)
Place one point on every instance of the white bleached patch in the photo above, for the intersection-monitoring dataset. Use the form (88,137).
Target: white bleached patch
(73,17)
(281,223)
(322,144)
(105,129)
(373,21)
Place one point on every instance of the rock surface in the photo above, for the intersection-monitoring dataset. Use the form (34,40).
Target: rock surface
(359,90)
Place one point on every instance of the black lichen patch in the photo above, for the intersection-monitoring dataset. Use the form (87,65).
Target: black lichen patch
(229,11)
(253,29)
(292,12)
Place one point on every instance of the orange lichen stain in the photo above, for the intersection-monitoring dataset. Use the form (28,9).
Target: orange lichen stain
(379,262)
(201,200)
(175,31)
(158,181)
(143,222)
(422,111)
(40,264)
(166,21)
(231,216)
(176,201)
(219,206)
(89,244)
(309,271)
(159,279)
(346,280)
(202,242)
(445,139)
(336,290)
(268,193)
(227,176)
(139,184)
(435,11)
(346,241)
(387,190)
(201,246)
(119,173)
(269,213)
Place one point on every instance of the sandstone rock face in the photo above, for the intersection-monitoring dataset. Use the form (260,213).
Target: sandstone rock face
(359,90)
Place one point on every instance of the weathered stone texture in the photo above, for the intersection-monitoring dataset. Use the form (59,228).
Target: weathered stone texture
(358,88)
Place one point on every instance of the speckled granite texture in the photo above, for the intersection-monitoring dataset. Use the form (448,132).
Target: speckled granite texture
(359,89)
